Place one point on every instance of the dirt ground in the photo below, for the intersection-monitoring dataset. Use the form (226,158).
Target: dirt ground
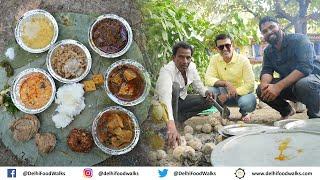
(13,9)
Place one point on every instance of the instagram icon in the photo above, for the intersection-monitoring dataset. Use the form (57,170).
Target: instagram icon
(87,172)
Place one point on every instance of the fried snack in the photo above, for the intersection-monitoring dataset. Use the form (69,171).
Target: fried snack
(98,79)
(116,79)
(45,142)
(35,91)
(115,122)
(115,129)
(25,128)
(126,89)
(80,140)
(129,74)
(89,85)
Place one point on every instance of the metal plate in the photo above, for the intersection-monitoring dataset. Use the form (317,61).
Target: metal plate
(116,151)
(306,125)
(25,17)
(15,90)
(239,129)
(282,123)
(262,149)
(144,74)
(110,55)
(57,76)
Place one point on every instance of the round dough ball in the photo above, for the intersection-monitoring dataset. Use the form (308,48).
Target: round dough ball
(178,152)
(207,148)
(188,130)
(198,128)
(195,144)
(188,137)
(45,142)
(161,154)
(25,128)
(206,128)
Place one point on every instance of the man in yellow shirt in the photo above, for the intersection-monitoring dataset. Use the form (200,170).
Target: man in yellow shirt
(231,77)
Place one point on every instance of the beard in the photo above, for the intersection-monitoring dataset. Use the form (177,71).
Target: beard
(274,38)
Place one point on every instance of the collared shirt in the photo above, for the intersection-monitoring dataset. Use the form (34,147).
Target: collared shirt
(296,53)
(238,72)
(169,74)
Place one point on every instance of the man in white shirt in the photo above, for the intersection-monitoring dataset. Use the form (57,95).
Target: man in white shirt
(171,89)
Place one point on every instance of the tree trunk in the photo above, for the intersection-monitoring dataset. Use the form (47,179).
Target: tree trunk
(300,26)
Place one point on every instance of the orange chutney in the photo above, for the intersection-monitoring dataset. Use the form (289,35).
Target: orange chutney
(35,91)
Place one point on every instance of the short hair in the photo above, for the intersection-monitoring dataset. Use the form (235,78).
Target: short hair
(181,44)
(267,19)
(222,36)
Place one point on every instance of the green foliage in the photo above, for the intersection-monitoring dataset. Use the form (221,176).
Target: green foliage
(166,23)
(8,68)
(7,101)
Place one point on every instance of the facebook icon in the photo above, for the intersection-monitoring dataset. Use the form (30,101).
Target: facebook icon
(11,173)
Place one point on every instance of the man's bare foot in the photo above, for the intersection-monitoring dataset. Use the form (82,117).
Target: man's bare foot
(246,118)
(292,112)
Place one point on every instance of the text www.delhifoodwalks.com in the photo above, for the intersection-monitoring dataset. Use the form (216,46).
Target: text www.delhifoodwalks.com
(282,173)
(44,173)
(194,173)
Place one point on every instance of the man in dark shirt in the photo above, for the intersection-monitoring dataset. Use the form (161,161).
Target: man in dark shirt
(292,56)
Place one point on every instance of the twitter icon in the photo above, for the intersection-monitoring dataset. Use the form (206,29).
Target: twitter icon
(163,173)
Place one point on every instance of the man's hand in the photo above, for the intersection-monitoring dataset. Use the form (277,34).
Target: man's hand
(173,135)
(223,98)
(263,86)
(232,92)
(270,92)
(209,96)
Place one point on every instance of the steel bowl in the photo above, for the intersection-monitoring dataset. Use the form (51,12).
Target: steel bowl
(15,90)
(112,151)
(56,75)
(25,17)
(143,73)
(122,51)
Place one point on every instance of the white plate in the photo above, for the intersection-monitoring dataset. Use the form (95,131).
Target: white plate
(239,129)
(306,125)
(282,123)
(262,149)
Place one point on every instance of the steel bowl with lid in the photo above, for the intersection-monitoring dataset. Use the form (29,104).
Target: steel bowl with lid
(69,61)
(115,130)
(110,36)
(33,90)
(127,82)
(36,31)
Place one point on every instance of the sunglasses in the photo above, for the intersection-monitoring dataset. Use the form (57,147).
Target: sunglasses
(221,47)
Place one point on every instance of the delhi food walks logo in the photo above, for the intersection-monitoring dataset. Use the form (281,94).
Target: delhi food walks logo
(239,173)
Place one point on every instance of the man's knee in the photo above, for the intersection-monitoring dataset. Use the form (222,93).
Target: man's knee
(248,102)
(305,86)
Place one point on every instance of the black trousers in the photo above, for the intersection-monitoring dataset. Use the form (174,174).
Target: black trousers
(306,91)
(183,109)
